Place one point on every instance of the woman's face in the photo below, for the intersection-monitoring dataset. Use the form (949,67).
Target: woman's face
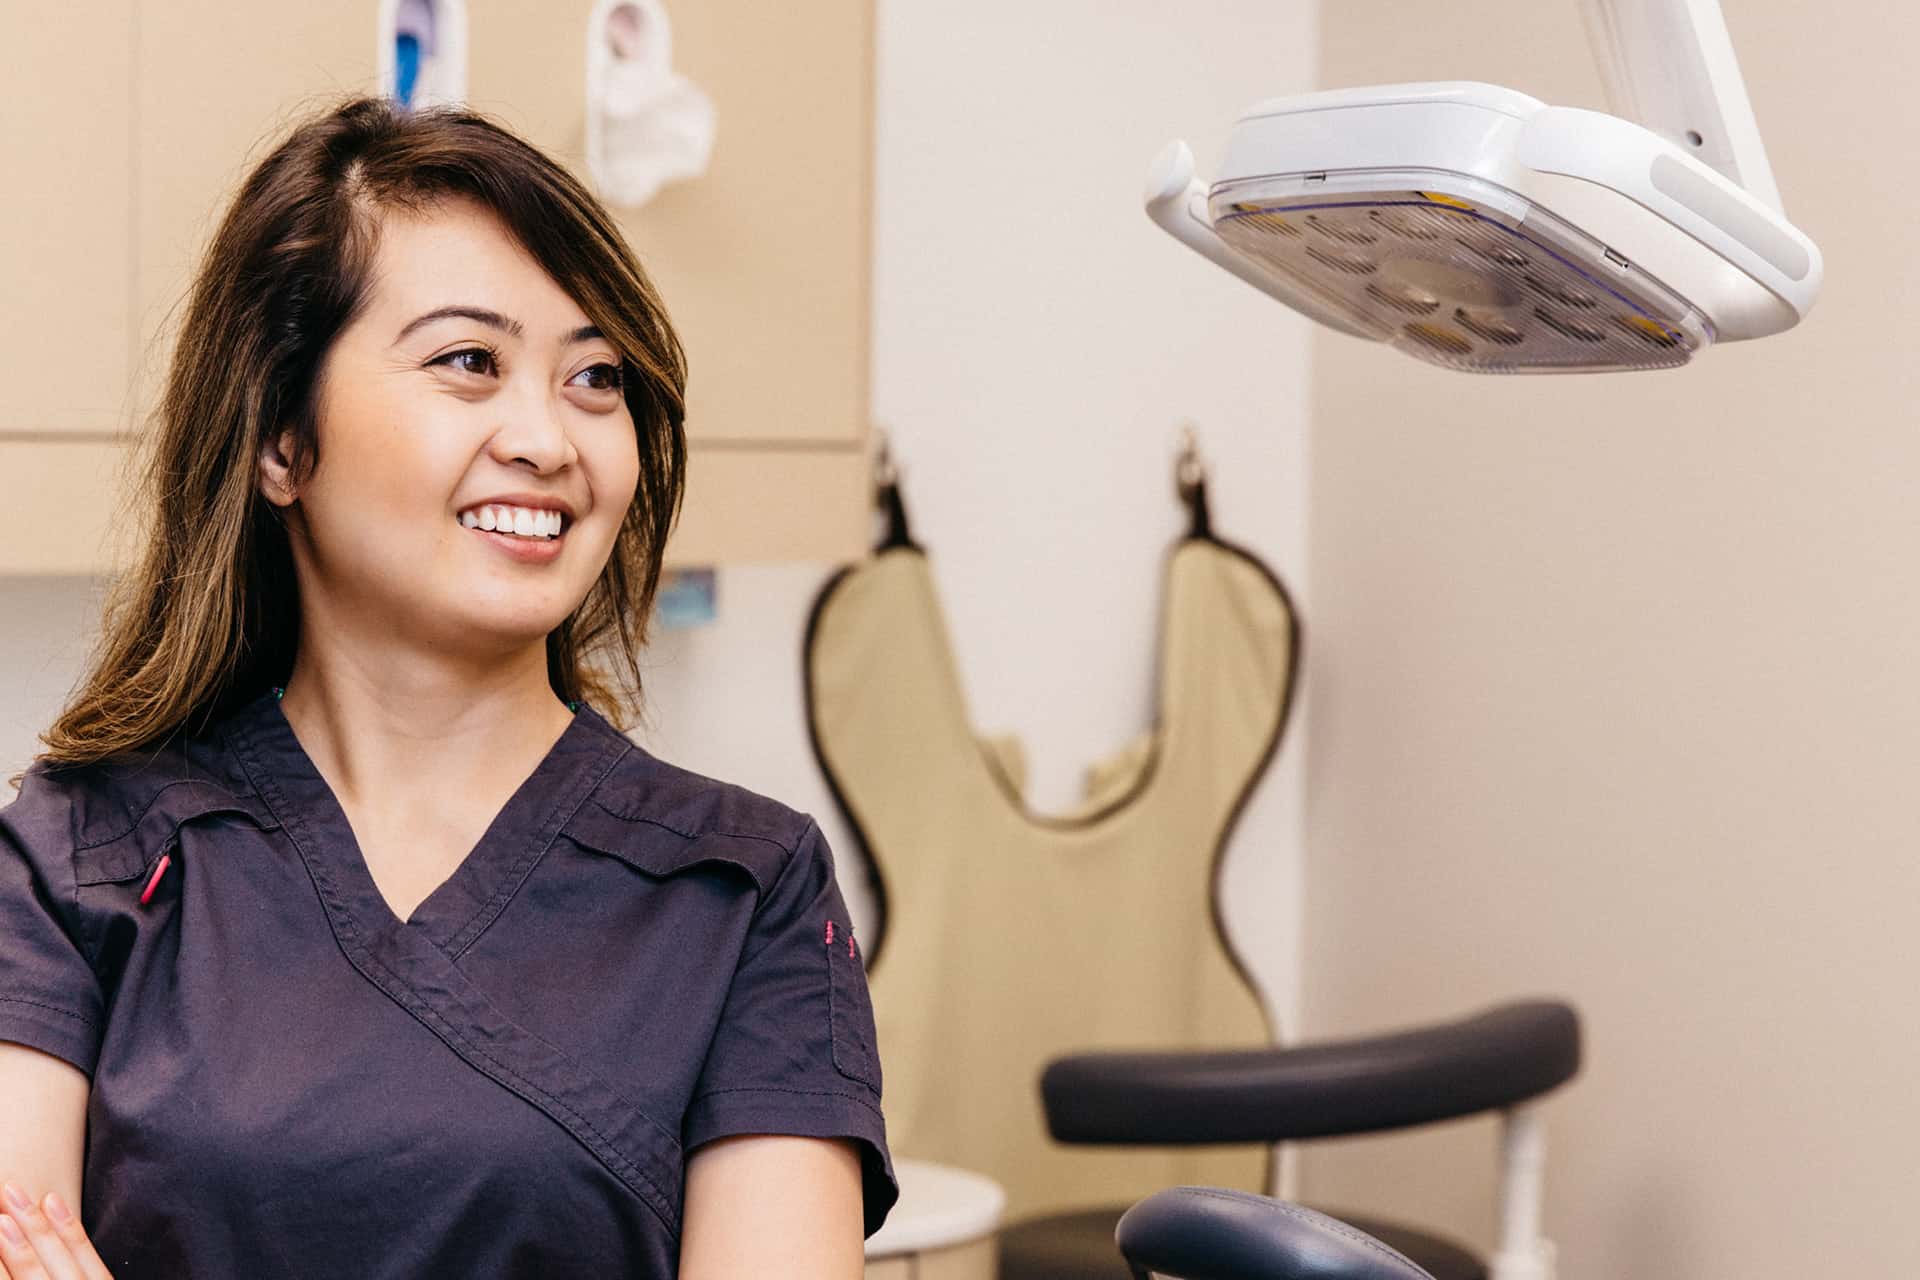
(470,383)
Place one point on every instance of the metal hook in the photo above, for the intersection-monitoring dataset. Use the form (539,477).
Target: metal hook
(1190,471)
(886,474)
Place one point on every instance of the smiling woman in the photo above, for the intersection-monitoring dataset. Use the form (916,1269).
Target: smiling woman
(342,928)
(451,214)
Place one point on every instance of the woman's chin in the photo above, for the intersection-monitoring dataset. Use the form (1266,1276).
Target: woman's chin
(508,625)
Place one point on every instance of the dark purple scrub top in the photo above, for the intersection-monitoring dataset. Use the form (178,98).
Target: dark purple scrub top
(288,1080)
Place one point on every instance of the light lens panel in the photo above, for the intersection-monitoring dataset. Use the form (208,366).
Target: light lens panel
(1469,276)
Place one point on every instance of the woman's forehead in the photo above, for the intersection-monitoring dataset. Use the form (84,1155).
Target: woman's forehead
(458,253)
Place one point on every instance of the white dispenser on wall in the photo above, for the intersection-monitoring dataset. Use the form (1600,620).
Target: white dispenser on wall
(647,125)
(423,51)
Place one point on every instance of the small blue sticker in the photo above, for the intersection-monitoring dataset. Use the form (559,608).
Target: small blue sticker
(687,598)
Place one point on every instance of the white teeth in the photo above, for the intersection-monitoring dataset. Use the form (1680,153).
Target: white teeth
(525,522)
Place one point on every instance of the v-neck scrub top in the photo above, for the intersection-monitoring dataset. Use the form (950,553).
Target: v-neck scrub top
(289,1080)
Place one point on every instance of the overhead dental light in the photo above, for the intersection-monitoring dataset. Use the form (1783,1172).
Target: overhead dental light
(1479,229)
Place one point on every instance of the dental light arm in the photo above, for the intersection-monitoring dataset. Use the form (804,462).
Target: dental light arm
(1670,65)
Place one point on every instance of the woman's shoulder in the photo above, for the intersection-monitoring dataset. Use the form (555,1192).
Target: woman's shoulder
(663,818)
(137,798)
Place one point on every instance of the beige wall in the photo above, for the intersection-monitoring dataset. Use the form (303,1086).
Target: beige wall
(1614,690)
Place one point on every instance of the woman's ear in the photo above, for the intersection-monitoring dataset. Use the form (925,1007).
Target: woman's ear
(276,469)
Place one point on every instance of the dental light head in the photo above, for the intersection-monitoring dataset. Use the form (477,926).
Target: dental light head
(1482,230)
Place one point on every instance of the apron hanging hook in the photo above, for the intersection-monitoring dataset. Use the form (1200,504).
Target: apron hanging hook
(885,474)
(886,493)
(1190,482)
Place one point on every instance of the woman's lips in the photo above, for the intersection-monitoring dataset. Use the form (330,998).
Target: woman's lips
(525,550)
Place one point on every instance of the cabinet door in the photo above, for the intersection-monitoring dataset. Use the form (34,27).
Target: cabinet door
(770,504)
(67,513)
(764,261)
(65,332)
(216,83)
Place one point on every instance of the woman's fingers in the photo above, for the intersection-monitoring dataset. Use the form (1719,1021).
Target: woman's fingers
(17,1256)
(34,1248)
(67,1225)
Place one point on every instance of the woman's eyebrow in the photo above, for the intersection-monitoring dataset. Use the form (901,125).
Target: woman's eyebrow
(493,320)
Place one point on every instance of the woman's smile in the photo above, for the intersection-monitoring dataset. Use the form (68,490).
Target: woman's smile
(530,534)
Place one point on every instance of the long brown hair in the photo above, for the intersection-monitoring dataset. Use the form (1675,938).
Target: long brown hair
(208,617)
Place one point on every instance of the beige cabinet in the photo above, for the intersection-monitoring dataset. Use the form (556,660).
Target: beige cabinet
(214,85)
(763,263)
(66,335)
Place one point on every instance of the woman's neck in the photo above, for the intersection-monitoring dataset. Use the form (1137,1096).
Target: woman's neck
(381,729)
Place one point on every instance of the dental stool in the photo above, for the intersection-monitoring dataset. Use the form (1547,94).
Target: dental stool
(1501,1059)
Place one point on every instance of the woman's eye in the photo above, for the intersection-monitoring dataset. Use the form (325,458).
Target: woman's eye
(482,360)
(602,377)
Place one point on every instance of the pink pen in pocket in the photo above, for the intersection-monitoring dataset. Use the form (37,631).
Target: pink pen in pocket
(159,869)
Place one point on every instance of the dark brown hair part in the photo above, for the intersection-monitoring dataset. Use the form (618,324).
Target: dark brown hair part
(208,616)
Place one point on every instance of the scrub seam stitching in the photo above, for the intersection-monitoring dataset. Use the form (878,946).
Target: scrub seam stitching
(146,808)
(806,1093)
(88,947)
(617,1156)
(812,828)
(511,883)
(782,845)
(38,1004)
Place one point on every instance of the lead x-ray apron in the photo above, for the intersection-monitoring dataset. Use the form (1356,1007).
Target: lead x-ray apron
(1010,938)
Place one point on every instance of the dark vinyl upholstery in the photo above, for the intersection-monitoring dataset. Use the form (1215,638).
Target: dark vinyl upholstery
(1080,1246)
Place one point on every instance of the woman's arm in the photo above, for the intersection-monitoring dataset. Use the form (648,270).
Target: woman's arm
(766,1205)
(43,1133)
(43,1122)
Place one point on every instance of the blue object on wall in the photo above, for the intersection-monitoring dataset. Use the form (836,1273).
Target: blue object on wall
(406,66)
(687,598)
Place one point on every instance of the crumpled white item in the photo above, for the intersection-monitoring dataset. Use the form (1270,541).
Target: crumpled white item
(647,125)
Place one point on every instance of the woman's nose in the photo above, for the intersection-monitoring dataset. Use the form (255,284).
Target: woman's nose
(533,431)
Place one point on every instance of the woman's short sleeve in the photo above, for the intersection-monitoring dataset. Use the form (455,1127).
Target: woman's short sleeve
(49,996)
(795,1052)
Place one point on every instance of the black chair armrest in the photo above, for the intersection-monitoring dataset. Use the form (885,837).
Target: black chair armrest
(1207,1233)
(1491,1060)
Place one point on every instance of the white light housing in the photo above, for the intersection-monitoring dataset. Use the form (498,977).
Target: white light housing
(1480,229)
